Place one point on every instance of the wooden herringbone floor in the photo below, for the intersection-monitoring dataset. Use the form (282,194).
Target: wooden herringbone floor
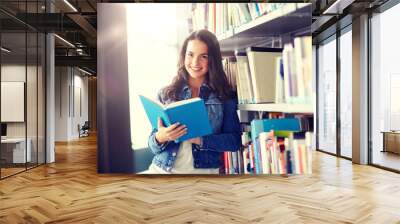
(70,191)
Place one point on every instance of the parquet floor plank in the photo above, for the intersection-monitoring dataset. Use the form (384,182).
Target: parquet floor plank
(71,191)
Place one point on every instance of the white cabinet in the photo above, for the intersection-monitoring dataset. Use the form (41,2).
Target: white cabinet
(16,146)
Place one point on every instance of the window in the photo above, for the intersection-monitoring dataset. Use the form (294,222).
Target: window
(153,57)
(22,79)
(346,93)
(385,88)
(327,95)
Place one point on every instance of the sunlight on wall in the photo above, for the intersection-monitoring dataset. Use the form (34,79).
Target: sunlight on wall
(152,57)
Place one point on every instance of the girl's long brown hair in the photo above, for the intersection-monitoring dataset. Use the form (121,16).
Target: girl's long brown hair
(215,77)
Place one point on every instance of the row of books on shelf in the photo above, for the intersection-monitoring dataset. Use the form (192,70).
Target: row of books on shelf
(274,151)
(221,18)
(273,75)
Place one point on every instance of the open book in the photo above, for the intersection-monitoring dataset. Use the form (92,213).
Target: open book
(191,112)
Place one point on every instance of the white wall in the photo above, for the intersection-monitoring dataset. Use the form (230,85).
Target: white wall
(12,73)
(61,103)
(70,84)
(80,110)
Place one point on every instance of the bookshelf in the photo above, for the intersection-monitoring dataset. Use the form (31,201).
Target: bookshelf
(278,107)
(283,25)
(281,77)
(284,21)
(280,24)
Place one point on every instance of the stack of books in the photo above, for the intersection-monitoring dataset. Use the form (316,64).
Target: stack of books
(274,146)
(221,18)
(273,75)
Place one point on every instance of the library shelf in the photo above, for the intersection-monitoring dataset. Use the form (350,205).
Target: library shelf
(278,107)
(289,19)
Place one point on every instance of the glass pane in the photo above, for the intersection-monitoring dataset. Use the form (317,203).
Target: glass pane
(32,83)
(346,94)
(327,96)
(41,98)
(385,89)
(41,6)
(31,97)
(13,87)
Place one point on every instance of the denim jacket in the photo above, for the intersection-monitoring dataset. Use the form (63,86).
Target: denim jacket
(225,137)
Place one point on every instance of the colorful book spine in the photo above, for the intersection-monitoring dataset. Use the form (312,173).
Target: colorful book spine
(280,152)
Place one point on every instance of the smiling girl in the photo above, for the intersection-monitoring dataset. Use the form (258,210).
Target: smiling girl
(200,74)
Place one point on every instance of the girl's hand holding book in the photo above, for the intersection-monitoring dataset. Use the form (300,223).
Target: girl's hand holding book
(171,133)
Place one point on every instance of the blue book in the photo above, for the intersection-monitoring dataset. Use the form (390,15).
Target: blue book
(266,125)
(191,112)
